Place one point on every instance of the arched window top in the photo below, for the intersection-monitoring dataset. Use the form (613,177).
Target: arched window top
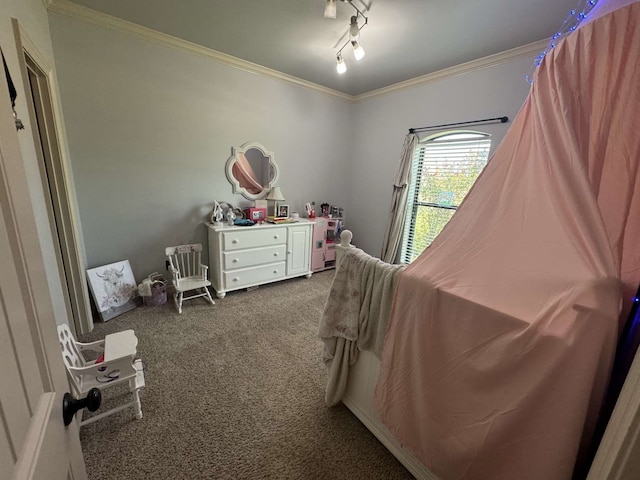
(456,135)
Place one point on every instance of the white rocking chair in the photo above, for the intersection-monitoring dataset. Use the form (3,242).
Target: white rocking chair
(188,273)
(87,374)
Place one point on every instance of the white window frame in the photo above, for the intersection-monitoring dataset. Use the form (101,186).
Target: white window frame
(425,150)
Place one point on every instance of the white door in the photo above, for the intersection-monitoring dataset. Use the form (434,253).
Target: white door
(34,443)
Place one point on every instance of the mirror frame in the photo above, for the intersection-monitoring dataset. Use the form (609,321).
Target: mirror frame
(235,184)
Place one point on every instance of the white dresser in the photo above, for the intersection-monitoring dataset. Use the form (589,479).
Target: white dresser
(242,257)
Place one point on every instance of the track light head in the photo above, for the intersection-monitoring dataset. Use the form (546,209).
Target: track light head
(354,31)
(341,67)
(330,9)
(358,51)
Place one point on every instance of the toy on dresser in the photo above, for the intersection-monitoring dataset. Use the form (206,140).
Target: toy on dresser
(257,214)
(311,212)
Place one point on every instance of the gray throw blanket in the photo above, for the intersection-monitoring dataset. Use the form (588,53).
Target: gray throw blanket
(355,316)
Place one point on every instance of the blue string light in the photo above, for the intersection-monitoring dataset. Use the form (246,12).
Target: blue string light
(570,24)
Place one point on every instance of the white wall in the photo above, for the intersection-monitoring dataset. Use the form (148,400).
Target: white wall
(150,129)
(32,16)
(381,124)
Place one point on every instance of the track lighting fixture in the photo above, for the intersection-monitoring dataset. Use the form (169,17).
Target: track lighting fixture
(330,9)
(353,33)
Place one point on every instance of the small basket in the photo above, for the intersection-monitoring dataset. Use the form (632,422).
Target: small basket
(158,291)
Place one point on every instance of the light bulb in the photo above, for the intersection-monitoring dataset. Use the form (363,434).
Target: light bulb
(354,31)
(330,9)
(358,51)
(341,67)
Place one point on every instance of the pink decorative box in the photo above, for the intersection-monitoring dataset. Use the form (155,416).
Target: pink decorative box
(257,214)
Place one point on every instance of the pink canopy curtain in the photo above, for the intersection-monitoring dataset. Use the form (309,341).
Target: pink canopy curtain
(503,331)
(246,176)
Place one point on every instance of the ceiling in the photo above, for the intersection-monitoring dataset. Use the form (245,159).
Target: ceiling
(403,39)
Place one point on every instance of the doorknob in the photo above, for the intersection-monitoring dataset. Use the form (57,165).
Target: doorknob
(70,405)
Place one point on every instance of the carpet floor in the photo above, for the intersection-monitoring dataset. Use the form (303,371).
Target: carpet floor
(233,391)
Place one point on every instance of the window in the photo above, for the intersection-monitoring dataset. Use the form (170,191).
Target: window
(445,166)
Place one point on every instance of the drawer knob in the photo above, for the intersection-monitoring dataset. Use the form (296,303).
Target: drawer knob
(275,271)
(236,279)
(235,260)
(276,236)
(275,254)
(234,241)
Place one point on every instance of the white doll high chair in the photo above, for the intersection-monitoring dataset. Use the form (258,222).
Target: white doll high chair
(117,365)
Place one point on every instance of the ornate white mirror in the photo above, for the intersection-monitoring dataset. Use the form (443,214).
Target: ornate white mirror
(251,170)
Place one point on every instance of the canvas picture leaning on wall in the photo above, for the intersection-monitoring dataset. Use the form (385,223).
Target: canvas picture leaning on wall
(113,288)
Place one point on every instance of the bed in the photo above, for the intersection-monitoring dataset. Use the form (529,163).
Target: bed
(354,365)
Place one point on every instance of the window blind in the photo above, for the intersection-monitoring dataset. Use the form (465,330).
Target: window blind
(445,166)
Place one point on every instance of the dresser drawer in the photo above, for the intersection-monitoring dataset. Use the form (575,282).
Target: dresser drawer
(252,276)
(256,256)
(253,238)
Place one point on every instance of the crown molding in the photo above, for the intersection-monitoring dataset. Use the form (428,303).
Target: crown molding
(529,50)
(79,12)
